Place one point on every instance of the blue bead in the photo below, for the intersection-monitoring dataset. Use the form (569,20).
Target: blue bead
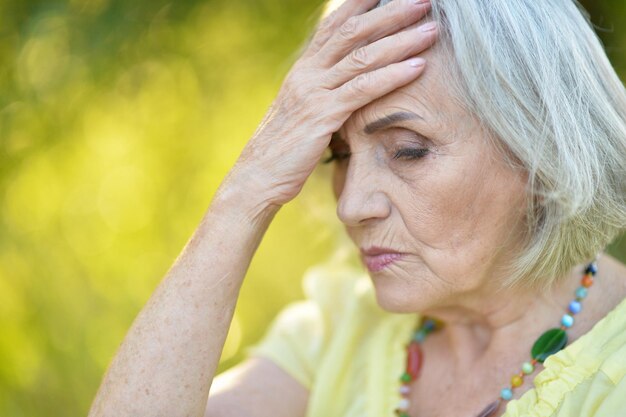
(506,394)
(420,335)
(567,320)
(575,307)
(581,292)
(429,325)
(591,269)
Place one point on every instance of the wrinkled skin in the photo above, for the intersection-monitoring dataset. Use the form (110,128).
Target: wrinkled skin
(458,211)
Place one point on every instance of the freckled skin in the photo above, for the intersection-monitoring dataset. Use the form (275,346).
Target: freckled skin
(458,211)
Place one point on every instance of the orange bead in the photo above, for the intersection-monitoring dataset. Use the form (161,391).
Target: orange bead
(587,281)
(516,381)
(439,324)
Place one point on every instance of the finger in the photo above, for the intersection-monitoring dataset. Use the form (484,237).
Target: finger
(381,53)
(369,86)
(329,24)
(363,29)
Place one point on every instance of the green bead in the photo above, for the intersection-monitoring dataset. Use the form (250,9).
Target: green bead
(548,343)
(406,377)
(528,368)
(420,335)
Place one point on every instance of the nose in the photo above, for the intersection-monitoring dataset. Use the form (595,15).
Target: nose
(362,197)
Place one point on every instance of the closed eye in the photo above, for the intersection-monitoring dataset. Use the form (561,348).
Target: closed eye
(411,153)
(406,153)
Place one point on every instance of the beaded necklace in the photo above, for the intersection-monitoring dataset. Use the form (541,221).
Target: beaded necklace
(547,344)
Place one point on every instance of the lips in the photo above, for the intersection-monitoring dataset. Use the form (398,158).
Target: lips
(376,258)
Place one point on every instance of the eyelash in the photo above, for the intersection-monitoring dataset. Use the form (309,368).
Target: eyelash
(409,153)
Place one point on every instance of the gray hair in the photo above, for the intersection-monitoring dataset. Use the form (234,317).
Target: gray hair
(536,76)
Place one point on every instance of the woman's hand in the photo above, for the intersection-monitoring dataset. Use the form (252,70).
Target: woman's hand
(354,57)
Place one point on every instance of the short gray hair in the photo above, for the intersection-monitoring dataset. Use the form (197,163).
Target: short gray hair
(536,76)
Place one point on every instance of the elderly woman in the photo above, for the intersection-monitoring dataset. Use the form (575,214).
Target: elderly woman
(479,155)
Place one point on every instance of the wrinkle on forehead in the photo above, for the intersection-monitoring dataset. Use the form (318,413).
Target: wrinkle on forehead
(426,96)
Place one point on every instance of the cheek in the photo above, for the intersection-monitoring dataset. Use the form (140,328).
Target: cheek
(434,205)
(460,223)
(464,207)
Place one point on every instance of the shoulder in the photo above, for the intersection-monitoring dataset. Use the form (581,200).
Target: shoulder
(335,287)
(588,377)
(299,335)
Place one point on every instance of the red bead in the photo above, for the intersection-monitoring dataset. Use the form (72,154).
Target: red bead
(414,360)
(587,281)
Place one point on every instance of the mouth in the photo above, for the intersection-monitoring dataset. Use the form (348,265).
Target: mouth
(379,262)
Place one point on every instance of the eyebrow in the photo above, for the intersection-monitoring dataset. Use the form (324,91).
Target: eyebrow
(383,123)
(390,119)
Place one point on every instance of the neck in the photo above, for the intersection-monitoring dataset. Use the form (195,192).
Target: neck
(477,332)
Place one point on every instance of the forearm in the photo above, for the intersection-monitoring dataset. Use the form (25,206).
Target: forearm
(167,361)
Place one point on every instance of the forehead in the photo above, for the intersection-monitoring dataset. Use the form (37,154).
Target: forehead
(429,96)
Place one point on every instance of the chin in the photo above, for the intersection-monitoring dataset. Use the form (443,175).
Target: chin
(395,296)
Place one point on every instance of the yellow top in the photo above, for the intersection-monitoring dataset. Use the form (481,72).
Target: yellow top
(349,353)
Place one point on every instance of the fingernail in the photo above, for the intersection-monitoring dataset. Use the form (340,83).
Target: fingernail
(427,27)
(417,62)
(421,1)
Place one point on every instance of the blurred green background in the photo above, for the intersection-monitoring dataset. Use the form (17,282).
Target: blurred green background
(118,120)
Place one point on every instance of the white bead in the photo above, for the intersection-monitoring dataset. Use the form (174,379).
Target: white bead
(404,389)
(403,404)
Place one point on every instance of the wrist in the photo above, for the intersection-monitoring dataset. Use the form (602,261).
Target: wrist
(240,196)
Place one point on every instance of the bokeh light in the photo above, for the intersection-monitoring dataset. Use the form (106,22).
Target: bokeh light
(118,120)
